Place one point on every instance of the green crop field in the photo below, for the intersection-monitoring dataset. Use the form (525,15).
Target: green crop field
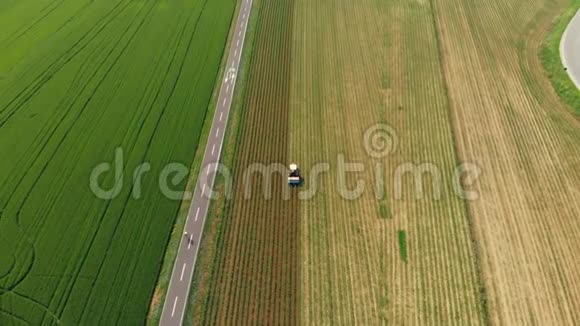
(79,79)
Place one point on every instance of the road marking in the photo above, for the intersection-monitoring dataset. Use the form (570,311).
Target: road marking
(182,272)
(174,305)
(207,172)
(230,77)
(231,74)
(212,151)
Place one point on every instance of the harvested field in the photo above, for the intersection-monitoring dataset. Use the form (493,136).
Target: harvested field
(456,82)
(397,264)
(79,79)
(357,64)
(508,118)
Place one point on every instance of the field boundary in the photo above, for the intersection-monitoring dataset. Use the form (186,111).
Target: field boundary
(552,61)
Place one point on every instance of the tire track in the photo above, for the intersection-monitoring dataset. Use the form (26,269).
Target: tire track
(31,89)
(34,24)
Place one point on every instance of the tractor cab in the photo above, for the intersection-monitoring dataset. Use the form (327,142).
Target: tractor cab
(294,178)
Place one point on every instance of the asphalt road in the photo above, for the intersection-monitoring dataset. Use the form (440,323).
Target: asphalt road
(570,49)
(181,277)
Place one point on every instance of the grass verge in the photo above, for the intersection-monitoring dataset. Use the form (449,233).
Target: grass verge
(550,55)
